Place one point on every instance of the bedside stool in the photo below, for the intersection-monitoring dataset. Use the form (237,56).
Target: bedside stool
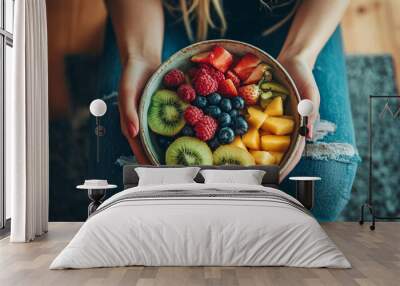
(96,192)
(305,188)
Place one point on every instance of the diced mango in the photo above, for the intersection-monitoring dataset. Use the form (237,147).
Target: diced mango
(263,157)
(275,143)
(252,139)
(275,108)
(264,132)
(256,117)
(278,156)
(238,143)
(278,125)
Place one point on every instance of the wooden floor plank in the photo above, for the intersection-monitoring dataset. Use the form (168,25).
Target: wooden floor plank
(374,255)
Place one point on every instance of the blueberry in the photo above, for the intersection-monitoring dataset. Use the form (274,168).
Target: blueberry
(187,130)
(200,101)
(240,125)
(214,98)
(224,119)
(225,104)
(226,135)
(213,143)
(164,142)
(238,102)
(233,113)
(213,111)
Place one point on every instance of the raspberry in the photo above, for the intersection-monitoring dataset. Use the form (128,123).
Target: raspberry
(193,72)
(186,92)
(174,78)
(206,127)
(233,77)
(209,69)
(214,73)
(204,84)
(193,114)
(218,76)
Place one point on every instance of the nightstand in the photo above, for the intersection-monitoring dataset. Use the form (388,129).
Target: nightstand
(96,192)
(305,188)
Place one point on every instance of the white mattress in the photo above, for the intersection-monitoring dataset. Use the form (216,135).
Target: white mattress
(189,231)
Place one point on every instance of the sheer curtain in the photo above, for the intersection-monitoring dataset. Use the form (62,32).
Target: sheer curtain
(27,124)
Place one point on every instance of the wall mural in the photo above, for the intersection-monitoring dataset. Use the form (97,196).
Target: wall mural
(223,104)
(189,119)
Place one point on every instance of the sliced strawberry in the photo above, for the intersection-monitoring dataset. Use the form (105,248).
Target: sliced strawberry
(257,74)
(205,57)
(250,93)
(246,65)
(245,73)
(222,59)
(227,87)
(231,75)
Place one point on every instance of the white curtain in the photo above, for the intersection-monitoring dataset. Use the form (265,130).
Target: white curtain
(27,124)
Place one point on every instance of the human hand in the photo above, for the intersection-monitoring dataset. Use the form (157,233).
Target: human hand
(134,76)
(301,72)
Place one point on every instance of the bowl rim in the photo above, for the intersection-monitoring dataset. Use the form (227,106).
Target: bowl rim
(150,154)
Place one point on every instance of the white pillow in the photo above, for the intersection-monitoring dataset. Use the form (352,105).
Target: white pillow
(163,176)
(248,177)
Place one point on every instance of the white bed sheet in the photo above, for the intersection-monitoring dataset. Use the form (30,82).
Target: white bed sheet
(200,231)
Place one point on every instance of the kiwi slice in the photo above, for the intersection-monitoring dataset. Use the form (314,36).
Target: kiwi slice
(188,151)
(165,115)
(232,155)
(274,86)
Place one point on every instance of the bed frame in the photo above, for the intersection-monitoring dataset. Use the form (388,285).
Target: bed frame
(271,177)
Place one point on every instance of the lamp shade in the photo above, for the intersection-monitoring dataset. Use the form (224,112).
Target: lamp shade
(305,107)
(98,107)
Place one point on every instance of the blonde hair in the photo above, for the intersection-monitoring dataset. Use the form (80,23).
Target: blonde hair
(201,10)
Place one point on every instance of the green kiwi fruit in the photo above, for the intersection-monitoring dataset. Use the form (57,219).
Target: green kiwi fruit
(165,115)
(232,155)
(274,86)
(188,151)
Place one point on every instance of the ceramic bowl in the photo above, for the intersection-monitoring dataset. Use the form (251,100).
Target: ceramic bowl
(181,60)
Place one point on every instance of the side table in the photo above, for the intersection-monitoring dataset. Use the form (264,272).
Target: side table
(96,192)
(305,189)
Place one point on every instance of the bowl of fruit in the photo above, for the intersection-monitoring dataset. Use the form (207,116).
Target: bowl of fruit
(220,102)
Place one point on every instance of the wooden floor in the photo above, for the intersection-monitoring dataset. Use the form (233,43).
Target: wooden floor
(375,257)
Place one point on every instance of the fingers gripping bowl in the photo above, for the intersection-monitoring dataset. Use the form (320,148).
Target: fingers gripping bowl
(220,102)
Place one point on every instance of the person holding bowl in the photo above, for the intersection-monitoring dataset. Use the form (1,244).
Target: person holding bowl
(304,37)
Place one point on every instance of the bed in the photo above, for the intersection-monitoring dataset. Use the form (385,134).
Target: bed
(201,224)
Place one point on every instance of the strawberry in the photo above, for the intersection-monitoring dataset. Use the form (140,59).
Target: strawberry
(231,75)
(246,65)
(250,93)
(256,74)
(227,87)
(205,57)
(221,59)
